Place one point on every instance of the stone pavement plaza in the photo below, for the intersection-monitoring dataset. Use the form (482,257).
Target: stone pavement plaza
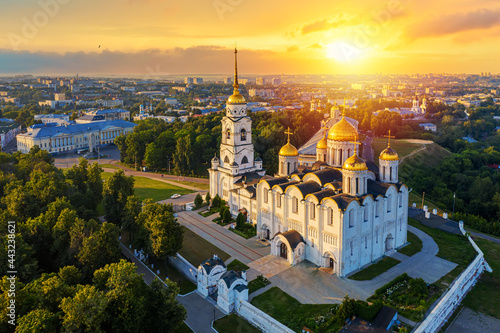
(305,281)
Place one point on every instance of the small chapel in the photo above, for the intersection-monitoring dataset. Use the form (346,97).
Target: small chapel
(326,204)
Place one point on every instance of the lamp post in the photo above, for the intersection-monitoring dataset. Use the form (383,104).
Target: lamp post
(453,214)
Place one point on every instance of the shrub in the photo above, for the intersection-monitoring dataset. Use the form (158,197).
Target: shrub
(198,201)
(207,198)
(366,311)
(227,216)
(216,202)
(240,221)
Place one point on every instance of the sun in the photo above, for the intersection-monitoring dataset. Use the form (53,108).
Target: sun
(342,51)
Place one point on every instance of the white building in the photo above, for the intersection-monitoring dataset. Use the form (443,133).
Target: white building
(61,119)
(342,212)
(70,138)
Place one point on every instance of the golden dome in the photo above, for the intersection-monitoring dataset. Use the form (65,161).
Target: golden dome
(322,144)
(236,98)
(342,131)
(355,163)
(288,150)
(389,154)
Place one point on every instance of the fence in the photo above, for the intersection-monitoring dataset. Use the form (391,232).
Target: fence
(456,293)
(184,266)
(260,319)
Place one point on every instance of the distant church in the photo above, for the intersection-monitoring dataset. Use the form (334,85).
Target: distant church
(338,211)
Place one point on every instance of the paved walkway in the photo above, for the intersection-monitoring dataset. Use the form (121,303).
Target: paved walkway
(245,250)
(311,285)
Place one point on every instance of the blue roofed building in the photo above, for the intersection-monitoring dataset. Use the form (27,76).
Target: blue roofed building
(73,137)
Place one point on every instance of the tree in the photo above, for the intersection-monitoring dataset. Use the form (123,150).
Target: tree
(346,309)
(183,156)
(86,311)
(207,198)
(227,216)
(162,305)
(38,321)
(100,248)
(240,221)
(198,201)
(115,193)
(216,201)
(221,212)
(125,291)
(132,209)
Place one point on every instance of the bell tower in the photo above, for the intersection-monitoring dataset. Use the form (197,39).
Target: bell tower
(388,163)
(236,144)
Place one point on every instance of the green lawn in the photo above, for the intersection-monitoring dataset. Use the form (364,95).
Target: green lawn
(237,265)
(417,198)
(201,186)
(452,247)
(485,296)
(109,166)
(149,188)
(196,249)
(414,247)
(290,312)
(402,147)
(233,323)
(375,269)
(257,283)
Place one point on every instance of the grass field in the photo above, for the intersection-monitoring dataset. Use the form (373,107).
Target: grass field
(109,166)
(287,310)
(201,186)
(417,198)
(402,147)
(375,269)
(237,265)
(454,248)
(234,323)
(485,296)
(150,188)
(414,247)
(196,249)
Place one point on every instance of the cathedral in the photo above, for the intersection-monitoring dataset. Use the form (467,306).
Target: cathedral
(339,211)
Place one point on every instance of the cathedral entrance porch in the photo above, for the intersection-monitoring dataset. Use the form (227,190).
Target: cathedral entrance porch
(329,263)
(283,251)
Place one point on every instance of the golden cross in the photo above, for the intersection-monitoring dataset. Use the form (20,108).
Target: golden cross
(324,128)
(343,110)
(288,132)
(356,144)
(389,138)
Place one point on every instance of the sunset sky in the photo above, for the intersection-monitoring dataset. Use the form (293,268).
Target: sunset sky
(273,36)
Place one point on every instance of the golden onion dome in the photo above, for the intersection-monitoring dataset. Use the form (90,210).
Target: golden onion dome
(322,144)
(236,98)
(288,150)
(389,154)
(343,131)
(355,163)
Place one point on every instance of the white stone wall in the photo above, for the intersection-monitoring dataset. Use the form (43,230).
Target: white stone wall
(184,266)
(456,293)
(260,319)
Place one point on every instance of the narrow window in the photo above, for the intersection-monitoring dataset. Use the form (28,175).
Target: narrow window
(243,135)
(389,203)
(357,185)
(312,207)
(265,196)
(278,200)
(367,208)
(295,206)
(244,160)
(351,218)
(228,136)
(390,174)
(352,248)
(366,242)
(376,236)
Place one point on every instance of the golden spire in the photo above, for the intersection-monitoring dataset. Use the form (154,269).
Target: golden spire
(389,138)
(236,85)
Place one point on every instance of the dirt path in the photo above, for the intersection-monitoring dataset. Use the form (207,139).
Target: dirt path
(424,146)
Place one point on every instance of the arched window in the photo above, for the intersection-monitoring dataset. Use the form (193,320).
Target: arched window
(340,157)
(295,205)
(357,186)
(266,198)
(367,209)
(330,217)
(390,174)
(389,203)
(243,135)
(383,169)
(244,160)
(312,206)
(351,218)
(226,160)
(228,136)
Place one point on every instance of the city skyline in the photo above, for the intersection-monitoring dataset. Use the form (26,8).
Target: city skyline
(194,37)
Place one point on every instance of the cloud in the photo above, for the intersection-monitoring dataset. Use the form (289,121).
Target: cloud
(459,22)
(322,25)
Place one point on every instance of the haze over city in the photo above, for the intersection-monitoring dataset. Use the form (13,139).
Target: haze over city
(290,37)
